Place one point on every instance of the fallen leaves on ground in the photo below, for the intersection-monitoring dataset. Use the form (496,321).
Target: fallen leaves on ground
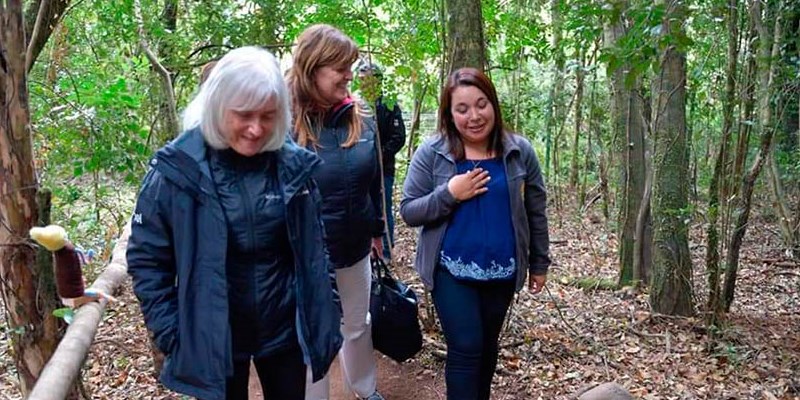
(564,339)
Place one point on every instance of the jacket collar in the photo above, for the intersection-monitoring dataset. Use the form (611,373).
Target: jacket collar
(334,117)
(442,146)
(184,161)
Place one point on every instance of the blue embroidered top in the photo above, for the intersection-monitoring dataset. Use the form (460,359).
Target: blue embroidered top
(479,243)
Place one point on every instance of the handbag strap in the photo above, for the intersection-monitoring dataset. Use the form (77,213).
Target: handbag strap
(379,266)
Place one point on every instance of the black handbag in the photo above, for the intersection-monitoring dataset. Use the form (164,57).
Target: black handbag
(393,306)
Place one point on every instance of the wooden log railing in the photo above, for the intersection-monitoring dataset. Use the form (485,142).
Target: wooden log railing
(62,369)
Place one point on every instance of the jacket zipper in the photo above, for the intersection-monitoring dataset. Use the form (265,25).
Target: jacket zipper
(251,236)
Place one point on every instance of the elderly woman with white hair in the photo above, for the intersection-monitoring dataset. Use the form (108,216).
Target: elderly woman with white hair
(226,250)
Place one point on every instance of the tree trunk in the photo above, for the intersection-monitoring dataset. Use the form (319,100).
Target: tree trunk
(712,236)
(554,108)
(588,154)
(32,329)
(769,51)
(465,45)
(415,119)
(671,291)
(779,200)
(579,77)
(796,230)
(745,126)
(629,145)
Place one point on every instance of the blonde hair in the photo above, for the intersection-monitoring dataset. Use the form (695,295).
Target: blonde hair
(243,80)
(320,46)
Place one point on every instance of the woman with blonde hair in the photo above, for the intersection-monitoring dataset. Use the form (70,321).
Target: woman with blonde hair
(330,122)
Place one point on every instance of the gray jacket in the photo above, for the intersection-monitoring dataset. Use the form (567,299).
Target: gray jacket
(427,203)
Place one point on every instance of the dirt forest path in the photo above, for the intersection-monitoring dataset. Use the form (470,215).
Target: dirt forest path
(409,380)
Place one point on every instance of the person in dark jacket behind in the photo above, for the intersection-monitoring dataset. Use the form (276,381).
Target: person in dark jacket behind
(478,194)
(392,134)
(331,123)
(226,250)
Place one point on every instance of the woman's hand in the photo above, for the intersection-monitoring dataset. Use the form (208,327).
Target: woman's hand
(469,184)
(536,283)
(377,246)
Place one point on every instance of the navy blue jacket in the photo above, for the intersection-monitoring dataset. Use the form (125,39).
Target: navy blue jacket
(350,182)
(176,257)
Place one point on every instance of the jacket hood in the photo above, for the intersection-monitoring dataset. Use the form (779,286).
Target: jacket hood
(184,161)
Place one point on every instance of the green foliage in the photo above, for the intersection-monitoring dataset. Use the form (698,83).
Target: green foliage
(97,103)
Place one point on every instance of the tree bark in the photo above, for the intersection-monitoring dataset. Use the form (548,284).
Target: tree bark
(465,45)
(629,145)
(714,206)
(33,330)
(671,291)
(769,51)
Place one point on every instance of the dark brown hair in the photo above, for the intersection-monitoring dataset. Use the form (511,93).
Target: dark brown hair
(447,128)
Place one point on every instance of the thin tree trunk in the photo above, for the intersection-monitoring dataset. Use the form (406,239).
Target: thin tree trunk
(712,236)
(521,61)
(415,120)
(171,118)
(643,239)
(589,152)
(745,127)
(671,290)
(579,78)
(779,200)
(629,114)
(796,230)
(769,51)
(554,109)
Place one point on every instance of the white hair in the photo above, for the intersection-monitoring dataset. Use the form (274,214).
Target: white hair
(243,80)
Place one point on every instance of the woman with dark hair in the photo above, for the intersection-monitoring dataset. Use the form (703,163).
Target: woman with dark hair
(478,194)
(330,122)
(226,249)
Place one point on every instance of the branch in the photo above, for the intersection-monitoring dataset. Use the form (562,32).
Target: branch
(166,78)
(206,47)
(37,30)
(41,19)
(63,367)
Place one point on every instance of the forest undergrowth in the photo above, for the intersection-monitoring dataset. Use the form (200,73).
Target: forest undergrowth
(563,340)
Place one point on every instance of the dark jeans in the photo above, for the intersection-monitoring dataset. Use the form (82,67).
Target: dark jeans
(388,190)
(472,315)
(282,376)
